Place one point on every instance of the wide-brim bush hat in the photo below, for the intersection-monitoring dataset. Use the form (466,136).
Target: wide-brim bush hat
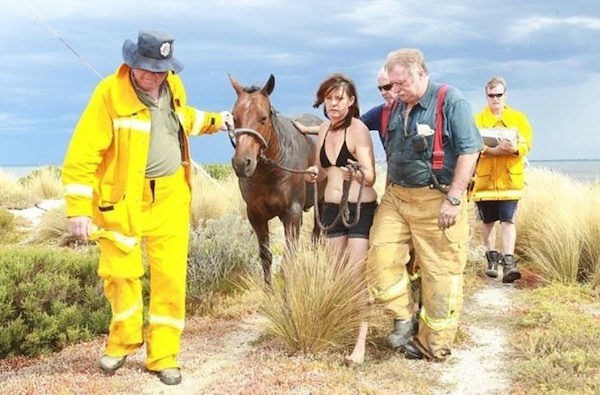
(153,52)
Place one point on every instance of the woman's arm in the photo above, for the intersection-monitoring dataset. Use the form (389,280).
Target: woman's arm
(361,146)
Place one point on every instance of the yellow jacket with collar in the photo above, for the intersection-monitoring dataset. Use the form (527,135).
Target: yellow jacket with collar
(104,168)
(501,177)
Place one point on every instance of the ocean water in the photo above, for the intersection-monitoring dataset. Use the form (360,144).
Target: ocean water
(581,170)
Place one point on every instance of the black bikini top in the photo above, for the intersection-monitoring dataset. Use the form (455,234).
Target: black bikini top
(343,156)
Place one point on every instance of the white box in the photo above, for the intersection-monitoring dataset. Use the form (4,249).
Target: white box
(492,135)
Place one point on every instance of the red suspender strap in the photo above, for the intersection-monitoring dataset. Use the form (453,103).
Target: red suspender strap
(385,120)
(386,113)
(437,160)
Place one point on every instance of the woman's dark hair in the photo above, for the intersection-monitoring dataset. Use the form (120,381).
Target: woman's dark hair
(332,83)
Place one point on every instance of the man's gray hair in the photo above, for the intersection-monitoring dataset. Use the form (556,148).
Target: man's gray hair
(409,58)
(495,81)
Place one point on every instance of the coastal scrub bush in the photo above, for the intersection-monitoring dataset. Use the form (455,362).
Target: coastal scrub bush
(219,253)
(316,301)
(44,183)
(218,171)
(7,223)
(49,298)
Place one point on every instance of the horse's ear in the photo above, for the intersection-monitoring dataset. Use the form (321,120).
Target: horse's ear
(236,85)
(269,86)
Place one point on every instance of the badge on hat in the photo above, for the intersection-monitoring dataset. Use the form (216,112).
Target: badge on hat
(165,48)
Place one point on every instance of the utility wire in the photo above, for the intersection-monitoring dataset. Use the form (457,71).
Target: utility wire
(55,33)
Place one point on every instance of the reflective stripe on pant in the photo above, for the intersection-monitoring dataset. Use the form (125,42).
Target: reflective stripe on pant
(165,222)
(409,216)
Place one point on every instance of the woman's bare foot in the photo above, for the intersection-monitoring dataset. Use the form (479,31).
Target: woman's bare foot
(358,354)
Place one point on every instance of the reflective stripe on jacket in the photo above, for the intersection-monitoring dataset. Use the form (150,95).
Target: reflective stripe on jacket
(501,177)
(104,168)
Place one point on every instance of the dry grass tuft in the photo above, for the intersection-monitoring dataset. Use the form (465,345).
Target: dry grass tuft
(44,183)
(316,303)
(54,228)
(557,227)
(213,199)
(13,195)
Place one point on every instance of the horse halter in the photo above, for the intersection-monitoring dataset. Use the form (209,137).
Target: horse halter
(234,133)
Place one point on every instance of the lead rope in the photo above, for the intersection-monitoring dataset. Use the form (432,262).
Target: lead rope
(343,211)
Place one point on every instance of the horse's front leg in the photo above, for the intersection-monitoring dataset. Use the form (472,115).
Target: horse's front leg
(261,228)
(292,221)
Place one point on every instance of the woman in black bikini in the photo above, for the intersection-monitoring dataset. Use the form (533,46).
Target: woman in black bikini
(342,139)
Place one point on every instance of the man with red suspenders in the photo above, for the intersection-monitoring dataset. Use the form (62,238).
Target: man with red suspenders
(432,146)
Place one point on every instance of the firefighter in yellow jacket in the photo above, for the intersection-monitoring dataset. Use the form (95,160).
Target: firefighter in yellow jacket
(499,182)
(126,177)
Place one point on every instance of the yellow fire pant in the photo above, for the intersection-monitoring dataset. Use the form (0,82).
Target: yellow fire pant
(165,221)
(408,217)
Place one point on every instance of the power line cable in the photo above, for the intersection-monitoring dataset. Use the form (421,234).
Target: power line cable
(55,33)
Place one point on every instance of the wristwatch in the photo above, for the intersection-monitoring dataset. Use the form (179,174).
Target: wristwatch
(453,200)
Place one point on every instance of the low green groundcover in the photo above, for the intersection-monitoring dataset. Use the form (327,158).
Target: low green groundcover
(49,298)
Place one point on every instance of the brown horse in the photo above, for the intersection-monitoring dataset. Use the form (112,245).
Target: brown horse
(264,142)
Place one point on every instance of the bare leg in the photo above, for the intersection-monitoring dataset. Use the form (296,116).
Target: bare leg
(357,254)
(509,237)
(489,236)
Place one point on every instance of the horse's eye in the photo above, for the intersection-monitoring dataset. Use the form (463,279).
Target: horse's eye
(262,120)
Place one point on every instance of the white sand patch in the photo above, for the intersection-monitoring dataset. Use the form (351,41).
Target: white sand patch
(481,368)
(34,214)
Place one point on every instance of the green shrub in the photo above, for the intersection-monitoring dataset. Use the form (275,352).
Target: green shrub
(218,171)
(49,298)
(218,254)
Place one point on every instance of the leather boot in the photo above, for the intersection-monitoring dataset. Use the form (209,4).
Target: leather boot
(511,273)
(403,332)
(493,258)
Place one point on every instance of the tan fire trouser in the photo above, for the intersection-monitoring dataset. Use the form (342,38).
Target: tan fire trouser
(408,217)
(165,222)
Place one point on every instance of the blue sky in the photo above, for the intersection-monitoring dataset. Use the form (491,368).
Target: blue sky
(549,52)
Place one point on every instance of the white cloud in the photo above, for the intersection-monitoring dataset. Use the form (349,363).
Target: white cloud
(525,27)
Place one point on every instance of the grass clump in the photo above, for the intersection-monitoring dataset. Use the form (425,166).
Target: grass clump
(54,228)
(14,195)
(316,301)
(218,171)
(7,223)
(44,183)
(219,253)
(49,298)
(557,340)
(558,227)
(213,199)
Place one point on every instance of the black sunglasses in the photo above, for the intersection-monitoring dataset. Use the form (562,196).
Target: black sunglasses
(495,95)
(385,87)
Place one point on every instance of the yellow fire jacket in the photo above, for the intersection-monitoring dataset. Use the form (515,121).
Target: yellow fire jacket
(104,168)
(501,177)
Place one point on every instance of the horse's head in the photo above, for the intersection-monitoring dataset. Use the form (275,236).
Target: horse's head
(252,117)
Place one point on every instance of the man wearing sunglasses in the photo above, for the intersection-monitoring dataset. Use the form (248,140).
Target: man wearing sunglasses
(499,183)
(377,118)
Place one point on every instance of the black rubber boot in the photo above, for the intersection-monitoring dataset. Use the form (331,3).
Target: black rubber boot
(493,258)
(403,332)
(511,273)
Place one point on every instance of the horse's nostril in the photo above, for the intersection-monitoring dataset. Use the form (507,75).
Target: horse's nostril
(248,162)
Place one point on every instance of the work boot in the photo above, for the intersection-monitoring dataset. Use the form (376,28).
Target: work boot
(511,273)
(170,376)
(493,258)
(403,332)
(411,351)
(109,364)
